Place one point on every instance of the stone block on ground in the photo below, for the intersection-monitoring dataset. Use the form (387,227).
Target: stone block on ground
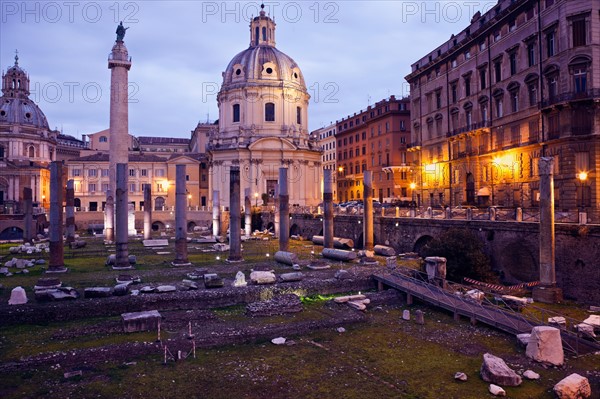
(287,258)
(574,386)
(384,250)
(594,321)
(240,280)
(496,390)
(189,285)
(586,330)
(46,283)
(140,321)
(280,304)
(220,247)
(121,290)
(156,243)
(339,254)
(494,370)
(558,321)
(545,346)
(419,317)
(258,277)
(111,260)
(460,376)
(291,277)
(344,299)
(358,305)
(343,275)
(161,289)
(56,294)
(406,314)
(531,375)
(77,244)
(97,292)
(212,280)
(17,296)
(523,339)
(278,341)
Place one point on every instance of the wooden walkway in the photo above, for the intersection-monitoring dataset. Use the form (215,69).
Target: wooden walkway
(495,316)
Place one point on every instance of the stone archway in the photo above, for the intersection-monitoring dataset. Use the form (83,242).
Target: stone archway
(11,233)
(190,226)
(295,230)
(518,263)
(158,226)
(421,242)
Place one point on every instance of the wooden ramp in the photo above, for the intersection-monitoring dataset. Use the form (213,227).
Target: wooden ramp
(485,312)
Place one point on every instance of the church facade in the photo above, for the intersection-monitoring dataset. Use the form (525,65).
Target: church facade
(263,124)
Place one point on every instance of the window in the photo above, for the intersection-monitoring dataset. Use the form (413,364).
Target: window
(438,103)
(364,150)
(76,172)
(550,43)
(514,100)
(132,187)
(104,187)
(236,112)
(454,90)
(512,25)
(532,90)
(499,108)
(103,139)
(513,63)
(482,78)
(160,173)
(497,35)
(579,32)
(144,172)
(531,54)
(552,87)
(515,135)
(92,172)
(498,71)
(92,187)
(104,172)
(132,172)
(580,79)
(270,112)
(467,86)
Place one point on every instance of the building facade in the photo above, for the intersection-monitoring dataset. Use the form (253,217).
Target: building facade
(326,137)
(376,140)
(263,119)
(520,82)
(27,144)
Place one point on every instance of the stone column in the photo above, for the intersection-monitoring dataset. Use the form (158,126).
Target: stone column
(216,219)
(28,212)
(328,208)
(122,218)
(147,212)
(109,218)
(70,210)
(181,253)
(547,292)
(57,262)
(276,213)
(235,217)
(247,212)
(284,210)
(368,210)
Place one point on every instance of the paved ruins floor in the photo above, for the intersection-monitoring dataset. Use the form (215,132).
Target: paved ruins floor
(379,354)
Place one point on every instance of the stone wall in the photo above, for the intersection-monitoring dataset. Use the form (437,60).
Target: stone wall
(513,247)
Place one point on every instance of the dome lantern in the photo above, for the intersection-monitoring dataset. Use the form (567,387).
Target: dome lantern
(262,30)
(15,82)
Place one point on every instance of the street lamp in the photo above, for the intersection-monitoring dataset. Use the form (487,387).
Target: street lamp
(412,192)
(582,176)
(256,199)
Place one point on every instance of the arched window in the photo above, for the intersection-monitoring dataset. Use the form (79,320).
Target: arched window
(299,115)
(1,152)
(31,152)
(159,203)
(236,112)
(256,36)
(270,112)
(264,33)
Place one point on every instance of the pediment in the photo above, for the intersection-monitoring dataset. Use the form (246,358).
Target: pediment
(272,143)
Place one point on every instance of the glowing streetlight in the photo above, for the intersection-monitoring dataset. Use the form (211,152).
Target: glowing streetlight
(256,199)
(582,176)
(412,192)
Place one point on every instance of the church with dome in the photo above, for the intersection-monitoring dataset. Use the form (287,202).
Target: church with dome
(27,144)
(263,123)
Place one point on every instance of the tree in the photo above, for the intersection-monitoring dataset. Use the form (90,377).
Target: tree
(464,254)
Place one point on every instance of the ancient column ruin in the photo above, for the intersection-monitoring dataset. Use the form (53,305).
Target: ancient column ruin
(284,211)
(235,219)
(70,211)
(57,262)
(28,213)
(181,253)
(216,218)
(147,212)
(122,219)
(247,213)
(368,210)
(328,208)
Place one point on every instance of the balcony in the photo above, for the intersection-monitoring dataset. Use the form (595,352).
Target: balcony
(468,128)
(572,96)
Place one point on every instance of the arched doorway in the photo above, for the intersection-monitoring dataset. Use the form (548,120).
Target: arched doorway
(190,226)
(420,243)
(158,226)
(295,230)
(77,203)
(470,189)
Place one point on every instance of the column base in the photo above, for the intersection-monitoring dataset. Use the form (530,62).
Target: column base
(123,267)
(547,294)
(234,260)
(175,264)
(56,269)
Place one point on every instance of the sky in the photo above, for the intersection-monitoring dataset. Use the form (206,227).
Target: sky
(352,54)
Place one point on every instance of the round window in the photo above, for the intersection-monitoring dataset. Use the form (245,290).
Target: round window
(238,72)
(2,113)
(296,75)
(28,115)
(269,70)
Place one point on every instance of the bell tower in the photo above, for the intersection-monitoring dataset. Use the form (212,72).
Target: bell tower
(15,82)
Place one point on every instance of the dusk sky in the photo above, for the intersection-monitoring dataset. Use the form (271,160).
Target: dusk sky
(352,53)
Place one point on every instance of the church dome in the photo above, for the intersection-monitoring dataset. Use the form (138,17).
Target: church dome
(262,63)
(15,105)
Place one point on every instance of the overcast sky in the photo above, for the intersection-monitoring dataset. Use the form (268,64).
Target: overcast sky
(352,53)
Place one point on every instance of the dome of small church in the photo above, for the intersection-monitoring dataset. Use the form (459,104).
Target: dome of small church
(15,105)
(262,61)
